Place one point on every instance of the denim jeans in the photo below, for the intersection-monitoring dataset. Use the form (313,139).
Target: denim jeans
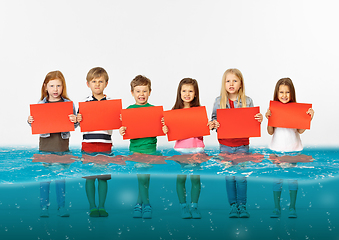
(60,193)
(278,183)
(236,187)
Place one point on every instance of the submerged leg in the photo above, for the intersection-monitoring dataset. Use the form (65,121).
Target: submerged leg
(196,188)
(293,187)
(231,190)
(181,188)
(60,187)
(241,190)
(102,192)
(90,192)
(276,198)
(44,194)
(143,182)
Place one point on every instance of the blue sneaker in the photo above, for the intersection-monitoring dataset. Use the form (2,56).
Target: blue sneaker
(137,211)
(185,212)
(276,213)
(234,213)
(147,212)
(243,212)
(292,213)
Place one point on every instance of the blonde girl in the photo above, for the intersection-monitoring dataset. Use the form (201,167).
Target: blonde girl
(187,97)
(285,140)
(232,95)
(54,90)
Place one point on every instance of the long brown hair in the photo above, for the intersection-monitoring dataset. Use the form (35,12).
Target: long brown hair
(195,102)
(52,76)
(287,82)
(241,92)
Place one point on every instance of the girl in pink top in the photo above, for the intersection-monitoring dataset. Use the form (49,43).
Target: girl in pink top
(187,97)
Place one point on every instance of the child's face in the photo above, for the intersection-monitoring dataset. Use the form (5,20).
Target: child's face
(232,84)
(141,94)
(54,89)
(97,86)
(284,94)
(187,93)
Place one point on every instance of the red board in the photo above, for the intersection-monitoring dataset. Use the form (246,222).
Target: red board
(142,122)
(186,123)
(289,115)
(51,117)
(100,115)
(238,123)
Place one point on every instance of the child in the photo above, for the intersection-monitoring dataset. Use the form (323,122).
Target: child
(97,142)
(141,90)
(232,95)
(285,140)
(54,90)
(188,96)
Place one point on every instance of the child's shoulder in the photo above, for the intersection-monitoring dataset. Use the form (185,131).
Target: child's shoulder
(140,106)
(248,100)
(217,99)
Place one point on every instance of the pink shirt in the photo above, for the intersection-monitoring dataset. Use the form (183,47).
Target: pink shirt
(194,142)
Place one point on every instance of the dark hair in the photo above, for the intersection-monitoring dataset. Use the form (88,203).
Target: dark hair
(140,81)
(287,82)
(195,102)
(97,72)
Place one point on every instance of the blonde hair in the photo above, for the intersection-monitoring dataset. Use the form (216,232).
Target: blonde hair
(241,92)
(97,72)
(54,75)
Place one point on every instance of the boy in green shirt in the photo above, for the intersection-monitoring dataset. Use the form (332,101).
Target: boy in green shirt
(141,90)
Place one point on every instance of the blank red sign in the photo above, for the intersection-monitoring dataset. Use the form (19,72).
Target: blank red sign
(289,115)
(51,117)
(142,122)
(100,115)
(186,123)
(238,123)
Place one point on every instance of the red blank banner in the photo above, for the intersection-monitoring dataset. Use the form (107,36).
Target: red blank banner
(51,117)
(186,123)
(289,115)
(100,115)
(142,122)
(238,123)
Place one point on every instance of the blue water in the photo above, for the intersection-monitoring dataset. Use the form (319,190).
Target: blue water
(16,165)
(316,206)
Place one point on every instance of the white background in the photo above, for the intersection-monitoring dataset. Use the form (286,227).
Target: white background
(167,41)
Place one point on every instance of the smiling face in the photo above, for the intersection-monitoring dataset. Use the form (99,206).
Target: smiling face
(54,90)
(141,94)
(284,94)
(97,86)
(187,94)
(232,85)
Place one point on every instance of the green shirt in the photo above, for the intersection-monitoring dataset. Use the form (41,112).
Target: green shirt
(146,145)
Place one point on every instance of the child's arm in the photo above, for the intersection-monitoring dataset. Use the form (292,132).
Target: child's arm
(79,117)
(213,124)
(310,112)
(270,129)
(210,125)
(258,117)
(122,130)
(30,119)
(72,118)
(164,127)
